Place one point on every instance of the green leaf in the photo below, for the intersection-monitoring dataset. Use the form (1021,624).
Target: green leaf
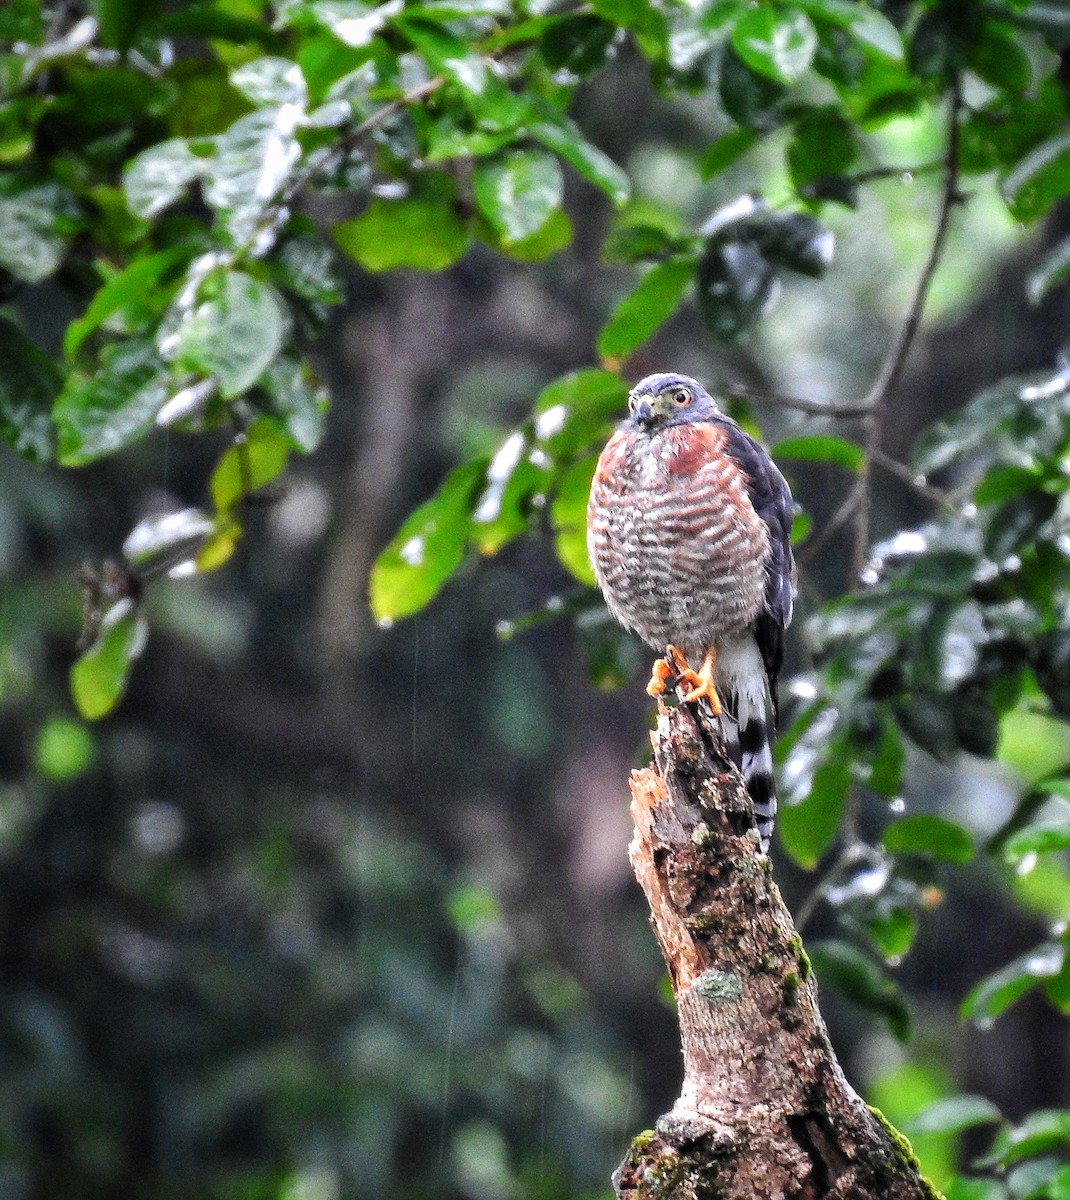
(653,302)
(823,145)
(1054,269)
(822,448)
(892,930)
(64,750)
(252,160)
(29,383)
(555,235)
(568,518)
(233,336)
(257,458)
(505,505)
(424,232)
(1040,1133)
(722,153)
(574,412)
(1041,838)
(97,415)
(35,231)
(98,677)
(447,54)
(129,289)
(856,976)
(750,98)
(807,828)
(299,401)
(953,1114)
(159,544)
(931,836)
(1000,59)
(518,191)
(995,994)
(777,43)
(271,82)
(1039,179)
(869,27)
(564,138)
(428,548)
(158,177)
(576,43)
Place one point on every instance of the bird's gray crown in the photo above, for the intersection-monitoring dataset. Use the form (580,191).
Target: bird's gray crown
(651,401)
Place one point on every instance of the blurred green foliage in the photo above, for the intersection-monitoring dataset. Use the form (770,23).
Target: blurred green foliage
(183,189)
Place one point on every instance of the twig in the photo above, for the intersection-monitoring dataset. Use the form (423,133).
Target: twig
(813,408)
(916,484)
(847,510)
(893,364)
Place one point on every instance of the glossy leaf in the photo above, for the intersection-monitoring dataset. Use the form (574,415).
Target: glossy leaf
(867,25)
(995,994)
(447,54)
(779,43)
(428,548)
(98,677)
(823,145)
(160,176)
(736,285)
(807,828)
(577,43)
(929,835)
(298,400)
(646,309)
(35,230)
(257,457)
(127,290)
(1039,179)
(1053,270)
(953,1114)
(158,544)
(860,979)
(518,191)
(252,161)
(233,336)
(821,448)
(29,383)
(565,139)
(568,518)
(423,232)
(1041,838)
(97,415)
(576,411)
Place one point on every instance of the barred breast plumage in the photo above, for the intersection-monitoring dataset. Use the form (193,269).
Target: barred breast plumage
(688,531)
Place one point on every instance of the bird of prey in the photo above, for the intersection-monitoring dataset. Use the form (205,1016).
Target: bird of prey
(688,529)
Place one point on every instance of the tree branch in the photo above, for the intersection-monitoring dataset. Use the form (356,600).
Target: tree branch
(764,1109)
(893,365)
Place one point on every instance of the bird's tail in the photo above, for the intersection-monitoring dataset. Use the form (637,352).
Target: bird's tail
(746,725)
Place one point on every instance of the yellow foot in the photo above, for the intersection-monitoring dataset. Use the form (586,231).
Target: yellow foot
(672,670)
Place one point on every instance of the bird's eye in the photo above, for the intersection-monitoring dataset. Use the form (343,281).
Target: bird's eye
(681,397)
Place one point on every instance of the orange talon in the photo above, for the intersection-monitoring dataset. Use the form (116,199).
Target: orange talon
(701,682)
(660,675)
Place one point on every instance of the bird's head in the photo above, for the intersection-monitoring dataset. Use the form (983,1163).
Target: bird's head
(669,399)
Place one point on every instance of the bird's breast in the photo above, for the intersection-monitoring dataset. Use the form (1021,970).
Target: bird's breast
(675,542)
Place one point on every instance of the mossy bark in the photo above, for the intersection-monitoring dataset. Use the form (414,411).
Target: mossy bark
(765,1113)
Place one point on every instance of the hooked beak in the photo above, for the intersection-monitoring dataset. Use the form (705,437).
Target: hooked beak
(643,411)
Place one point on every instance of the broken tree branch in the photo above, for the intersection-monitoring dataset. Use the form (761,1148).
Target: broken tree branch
(765,1110)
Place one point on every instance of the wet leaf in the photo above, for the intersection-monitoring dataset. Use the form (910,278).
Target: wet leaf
(823,145)
(1039,179)
(299,400)
(158,544)
(252,161)
(931,836)
(564,138)
(953,1114)
(996,993)
(257,458)
(1054,269)
(778,43)
(736,285)
(160,176)
(96,415)
(29,383)
(821,448)
(446,54)
(808,828)
(568,517)
(577,43)
(234,335)
(428,548)
(646,309)
(98,677)
(722,153)
(424,232)
(1041,838)
(129,290)
(577,410)
(861,980)
(518,191)
(271,82)
(34,230)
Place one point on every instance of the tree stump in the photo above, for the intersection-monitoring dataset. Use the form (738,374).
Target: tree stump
(765,1112)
